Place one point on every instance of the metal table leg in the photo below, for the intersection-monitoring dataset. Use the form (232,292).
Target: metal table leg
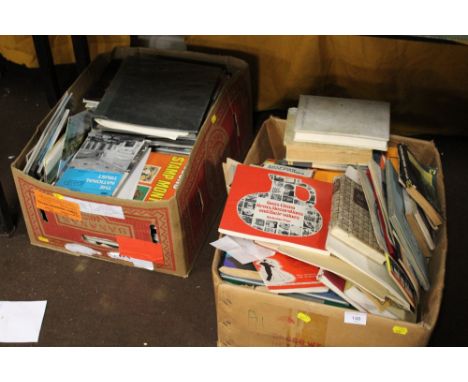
(46,66)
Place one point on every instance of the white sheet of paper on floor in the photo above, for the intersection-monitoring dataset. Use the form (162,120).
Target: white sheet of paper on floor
(243,250)
(21,321)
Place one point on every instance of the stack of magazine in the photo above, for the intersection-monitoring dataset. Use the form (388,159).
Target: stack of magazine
(134,134)
(356,238)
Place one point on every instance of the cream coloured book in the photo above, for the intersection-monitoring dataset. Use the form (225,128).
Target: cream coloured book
(343,121)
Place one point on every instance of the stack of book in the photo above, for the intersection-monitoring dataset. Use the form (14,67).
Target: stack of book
(366,237)
(333,132)
(135,135)
(262,212)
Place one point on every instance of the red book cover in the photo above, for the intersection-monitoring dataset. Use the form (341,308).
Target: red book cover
(283,274)
(337,281)
(270,206)
(160,176)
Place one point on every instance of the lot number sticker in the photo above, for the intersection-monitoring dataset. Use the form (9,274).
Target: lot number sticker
(355,318)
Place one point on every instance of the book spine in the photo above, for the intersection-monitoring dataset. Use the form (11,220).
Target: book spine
(336,202)
(404,171)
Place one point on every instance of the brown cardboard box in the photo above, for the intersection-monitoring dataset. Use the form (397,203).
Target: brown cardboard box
(178,226)
(252,317)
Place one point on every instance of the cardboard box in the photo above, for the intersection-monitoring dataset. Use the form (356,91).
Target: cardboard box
(91,225)
(251,317)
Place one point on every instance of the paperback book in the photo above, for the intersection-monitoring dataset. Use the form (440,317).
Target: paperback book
(231,267)
(102,163)
(283,274)
(420,183)
(270,206)
(396,211)
(50,134)
(160,176)
(422,230)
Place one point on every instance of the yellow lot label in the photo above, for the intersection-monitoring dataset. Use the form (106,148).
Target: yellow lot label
(304,317)
(400,330)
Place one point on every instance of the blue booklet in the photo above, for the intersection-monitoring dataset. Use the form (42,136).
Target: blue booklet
(103,162)
(89,181)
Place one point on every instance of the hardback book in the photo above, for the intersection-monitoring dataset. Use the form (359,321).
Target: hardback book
(420,227)
(274,207)
(338,285)
(102,163)
(231,267)
(326,155)
(403,233)
(160,176)
(157,96)
(96,91)
(350,220)
(420,183)
(341,121)
(284,274)
(321,154)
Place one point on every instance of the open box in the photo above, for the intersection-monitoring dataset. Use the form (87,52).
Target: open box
(126,231)
(248,316)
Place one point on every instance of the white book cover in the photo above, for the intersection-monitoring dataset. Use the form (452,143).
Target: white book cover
(342,121)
